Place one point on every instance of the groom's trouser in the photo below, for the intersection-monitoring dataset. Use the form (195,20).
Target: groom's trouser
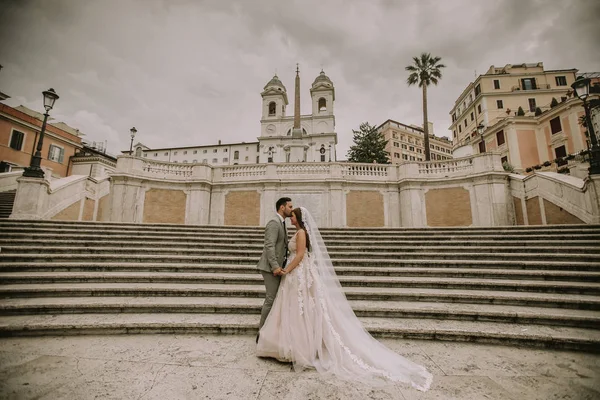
(272,285)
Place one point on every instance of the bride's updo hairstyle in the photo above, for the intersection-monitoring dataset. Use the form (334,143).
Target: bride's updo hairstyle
(298,213)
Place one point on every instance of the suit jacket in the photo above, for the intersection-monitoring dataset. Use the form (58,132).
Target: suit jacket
(275,250)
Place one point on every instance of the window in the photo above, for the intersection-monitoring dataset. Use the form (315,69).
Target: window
(532,105)
(404,157)
(174,153)
(431,146)
(396,155)
(272,108)
(322,157)
(247,148)
(411,148)
(184,152)
(215,150)
(145,154)
(16,140)
(500,138)
(204,161)
(555,125)
(472,117)
(477,90)
(454,133)
(404,146)
(460,129)
(412,158)
(561,152)
(246,158)
(204,151)
(195,151)
(465,122)
(419,151)
(482,147)
(184,161)
(166,153)
(437,148)
(496,83)
(225,150)
(394,135)
(322,105)
(215,161)
(479,108)
(194,161)
(561,81)
(138,152)
(504,159)
(528,84)
(236,155)
(155,154)
(453,117)
(225,159)
(270,159)
(499,104)
(396,144)
(56,154)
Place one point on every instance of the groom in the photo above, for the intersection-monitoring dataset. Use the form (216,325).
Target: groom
(274,254)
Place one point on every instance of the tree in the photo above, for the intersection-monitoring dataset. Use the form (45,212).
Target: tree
(425,71)
(520,112)
(369,146)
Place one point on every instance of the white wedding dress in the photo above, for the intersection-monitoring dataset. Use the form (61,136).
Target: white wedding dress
(312,325)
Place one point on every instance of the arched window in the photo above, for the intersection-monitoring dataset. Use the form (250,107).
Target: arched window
(272,109)
(236,155)
(322,104)
(138,151)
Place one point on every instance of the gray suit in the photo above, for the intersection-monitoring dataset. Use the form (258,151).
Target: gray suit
(273,256)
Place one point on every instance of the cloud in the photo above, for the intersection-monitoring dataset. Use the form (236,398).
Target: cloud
(190,72)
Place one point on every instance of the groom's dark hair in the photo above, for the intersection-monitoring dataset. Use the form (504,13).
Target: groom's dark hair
(281,202)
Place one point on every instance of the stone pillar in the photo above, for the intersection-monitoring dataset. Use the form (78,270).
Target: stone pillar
(31,199)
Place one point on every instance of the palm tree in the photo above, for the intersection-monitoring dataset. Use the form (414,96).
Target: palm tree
(425,71)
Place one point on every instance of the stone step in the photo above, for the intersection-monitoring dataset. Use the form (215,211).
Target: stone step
(589,288)
(168,260)
(13,253)
(258,231)
(125,240)
(529,299)
(12,245)
(431,270)
(380,309)
(180,323)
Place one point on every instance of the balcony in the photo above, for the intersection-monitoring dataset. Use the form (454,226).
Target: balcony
(542,86)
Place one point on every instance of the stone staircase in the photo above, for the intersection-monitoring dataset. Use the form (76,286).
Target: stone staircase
(531,286)
(7,200)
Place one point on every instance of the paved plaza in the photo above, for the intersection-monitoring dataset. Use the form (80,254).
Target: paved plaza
(224,367)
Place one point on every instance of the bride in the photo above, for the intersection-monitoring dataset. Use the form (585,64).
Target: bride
(312,324)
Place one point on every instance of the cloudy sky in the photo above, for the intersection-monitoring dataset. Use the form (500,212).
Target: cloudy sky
(190,72)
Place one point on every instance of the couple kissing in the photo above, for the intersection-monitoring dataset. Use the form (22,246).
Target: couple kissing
(306,318)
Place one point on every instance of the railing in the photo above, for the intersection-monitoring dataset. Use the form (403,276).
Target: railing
(244,171)
(538,86)
(303,169)
(365,170)
(8,180)
(155,167)
(446,168)
(337,170)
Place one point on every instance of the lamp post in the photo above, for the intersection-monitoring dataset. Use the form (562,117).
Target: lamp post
(581,87)
(34,170)
(480,130)
(132,131)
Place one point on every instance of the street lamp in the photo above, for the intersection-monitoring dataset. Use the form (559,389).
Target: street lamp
(132,131)
(480,130)
(581,87)
(34,170)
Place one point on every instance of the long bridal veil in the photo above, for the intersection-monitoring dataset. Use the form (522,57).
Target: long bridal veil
(343,346)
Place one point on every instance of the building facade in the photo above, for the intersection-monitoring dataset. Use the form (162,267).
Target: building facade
(498,94)
(19,130)
(313,140)
(405,143)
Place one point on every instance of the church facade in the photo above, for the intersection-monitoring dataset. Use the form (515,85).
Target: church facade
(283,138)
